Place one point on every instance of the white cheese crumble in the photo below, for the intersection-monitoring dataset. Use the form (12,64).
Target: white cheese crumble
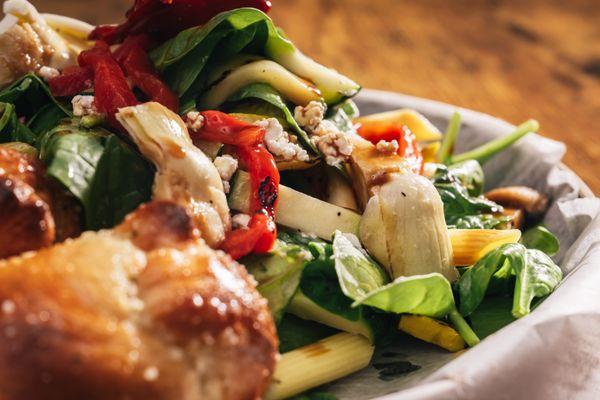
(240,221)
(47,73)
(311,115)
(226,165)
(194,120)
(332,143)
(278,141)
(84,105)
(388,147)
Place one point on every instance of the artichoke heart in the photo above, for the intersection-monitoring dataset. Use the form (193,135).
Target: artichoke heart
(184,173)
(403,228)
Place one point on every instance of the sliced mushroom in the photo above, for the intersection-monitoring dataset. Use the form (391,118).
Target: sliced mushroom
(520,197)
(517,216)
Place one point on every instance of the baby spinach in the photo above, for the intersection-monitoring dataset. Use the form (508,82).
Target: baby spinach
(492,315)
(462,209)
(11,129)
(265,93)
(34,103)
(358,274)
(103,173)
(539,237)
(470,174)
(342,114)
(278,274)
(535,275)
(295,332)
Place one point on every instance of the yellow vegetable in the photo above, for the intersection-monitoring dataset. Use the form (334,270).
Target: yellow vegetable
(424,130)
(469,245)
(432,331)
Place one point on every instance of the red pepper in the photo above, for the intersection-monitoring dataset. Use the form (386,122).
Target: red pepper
(223,128)
(71,81)
(134,61)
(408,146)
(111,90)
(165,18)
(246,140)
(241,242)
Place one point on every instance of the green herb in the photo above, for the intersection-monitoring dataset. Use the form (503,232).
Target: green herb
(266,93)
(541,238)
(11,129)
(342,114)
(470,174)
(295,332)
(535,275)
(490,149)
(480,221)
(450,137)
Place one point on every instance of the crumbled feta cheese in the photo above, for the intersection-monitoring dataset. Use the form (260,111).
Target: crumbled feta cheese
(194,120)
(388,147)
(311,115)
(83,105)
(332,143)
(240,221)
(278,141)
(226,165)
(47,73)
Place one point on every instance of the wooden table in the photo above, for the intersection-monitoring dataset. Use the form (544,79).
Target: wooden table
(514,59)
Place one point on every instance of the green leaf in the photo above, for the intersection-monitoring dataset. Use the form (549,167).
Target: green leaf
(492,315)
(105,175)
(295,332)
(480,221)
(11,129)
(460,206)
(342,115)
(470,174)
(278,274)
(358,274)
(122,181)
(536,276)
(429,295)
(539,237)
(266,93)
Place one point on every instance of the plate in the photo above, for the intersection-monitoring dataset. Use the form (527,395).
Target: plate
(534,357)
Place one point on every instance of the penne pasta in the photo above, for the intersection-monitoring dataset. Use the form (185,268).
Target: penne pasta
(318,363)
(469,245)
(424,130)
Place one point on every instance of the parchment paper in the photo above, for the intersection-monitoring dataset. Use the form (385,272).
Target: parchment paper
(553,353)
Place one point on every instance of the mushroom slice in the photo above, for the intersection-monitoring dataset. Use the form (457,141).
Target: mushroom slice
(520,197)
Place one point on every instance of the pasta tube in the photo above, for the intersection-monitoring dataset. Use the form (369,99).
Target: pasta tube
(469,245)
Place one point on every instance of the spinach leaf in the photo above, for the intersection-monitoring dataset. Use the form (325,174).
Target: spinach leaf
(295,332)
(183,58)
(342,114)
(107,177)
(266,93)
(11,129)
(461,209)
(492,315)
(278,274)
(539,237)
(358,274)
(536,276)
(429,295)
(470,174)
(34,102)
(122,181)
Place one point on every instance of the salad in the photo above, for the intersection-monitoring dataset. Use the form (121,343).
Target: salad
(193,208)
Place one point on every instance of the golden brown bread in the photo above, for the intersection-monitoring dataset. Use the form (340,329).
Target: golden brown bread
(146,311)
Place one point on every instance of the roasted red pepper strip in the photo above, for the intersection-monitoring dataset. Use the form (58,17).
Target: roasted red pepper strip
(408,147)
(165,18)
(223,128)
(241,242)
(71,81)
(132,57)
(246,140)
(111,90)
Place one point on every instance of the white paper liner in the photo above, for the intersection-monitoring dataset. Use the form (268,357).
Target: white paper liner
(553,353)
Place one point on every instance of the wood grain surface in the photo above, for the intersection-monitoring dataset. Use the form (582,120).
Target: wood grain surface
(514,59)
